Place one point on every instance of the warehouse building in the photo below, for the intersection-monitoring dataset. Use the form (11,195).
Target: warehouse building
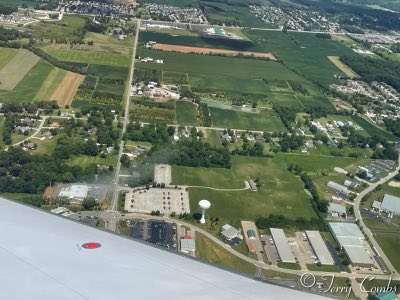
(336,209)
(319,247)
(391,204)
(351,239)
(282,245)
(74,192)
(340,189)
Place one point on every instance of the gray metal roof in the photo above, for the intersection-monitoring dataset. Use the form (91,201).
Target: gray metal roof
(188,245)
(358,255)
(41,258)
(319,247)
(282,245)
(346,230)
(376,204)
(338,187)
(336,208)
(391,203)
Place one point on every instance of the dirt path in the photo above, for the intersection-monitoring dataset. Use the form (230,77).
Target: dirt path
(65,92)
(344,68)
(187,49)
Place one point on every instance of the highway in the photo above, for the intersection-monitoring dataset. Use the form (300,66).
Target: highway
(111,225)
(368,232)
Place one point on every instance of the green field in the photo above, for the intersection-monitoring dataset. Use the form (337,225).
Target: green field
(50,84)
(323,268)
(285,100)
(280,191)
(186,113)
(211,252)
(109,72)
(6,55)
(16,68)
(372,129)
(226,118)
(213,137)
(27,89)
(85,161)
(316,101)
(390,244)
(91,57)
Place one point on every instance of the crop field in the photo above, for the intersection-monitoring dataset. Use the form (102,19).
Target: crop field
(199,41)
(109,72)
(91,57)
(199,50)
(29,86)
(276,183)
(6,55)
(344,68)
(316,101)
(303,52)
(50,85)
(16,68)
(186,113)
(65,92)
(285,100)
(225,118)
(374,130)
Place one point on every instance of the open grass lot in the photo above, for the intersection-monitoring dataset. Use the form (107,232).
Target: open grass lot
(91,57)
(285,100)
(186,113)
(316,101)
(390,244)
(226,118)
(85,161)
(280,192)
(6,55)
(323,268)
(211,252)
(50,85)
(16,68)
(110,72)
(213,137)
(304,52)
(217,65)
(29,86)
(372,129)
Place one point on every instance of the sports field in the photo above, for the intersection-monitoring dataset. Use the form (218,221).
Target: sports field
(65,92)
(226,118)
(16,68)
(91,57)
(186,113)
(280,191)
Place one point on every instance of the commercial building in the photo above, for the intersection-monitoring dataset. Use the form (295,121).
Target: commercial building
(391,204)
(352,240)
(319,247)
(188,245)
(229,232)
(282,245)
(75,192)
(337,209)
(341,189)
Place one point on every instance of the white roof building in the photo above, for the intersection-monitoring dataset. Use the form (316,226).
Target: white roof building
(282,245)
(188,245)
(336,208)
(338,187)
(391,204)
(76,192)
(229,232)
(319,247)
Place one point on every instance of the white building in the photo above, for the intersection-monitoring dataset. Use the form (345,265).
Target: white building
(75,192)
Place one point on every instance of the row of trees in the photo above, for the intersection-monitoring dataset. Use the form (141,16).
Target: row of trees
(279,221)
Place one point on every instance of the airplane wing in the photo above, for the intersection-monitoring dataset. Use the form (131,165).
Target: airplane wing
(42,256)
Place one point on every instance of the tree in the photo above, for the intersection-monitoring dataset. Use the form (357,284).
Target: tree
(91,148)
(89,203)
(125,160)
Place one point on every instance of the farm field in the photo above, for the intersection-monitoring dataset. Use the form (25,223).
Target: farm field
(374,130)
(316,101)
(344,68)
(27,89)
(304,52)
(6,55)
(109,72)
(51,84)
(225,118)
(91,57)
(186,113)
(285,100)
(276,183)
(65,92)
(390,244)
(16,68)
(188,49)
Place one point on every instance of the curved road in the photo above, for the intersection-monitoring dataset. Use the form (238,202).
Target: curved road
(368,232)
(37,130)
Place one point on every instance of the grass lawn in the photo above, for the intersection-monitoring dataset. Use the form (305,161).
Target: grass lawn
(280,192)
(45,147)
(226,118)
(186,113)
(213,137)
(91,57)
(323,268)
(285,100)
(109,72)
(378,194)
(211,252)
(29,199)
(372,129)
(85,161)
(292,266)
(390,244)
(28,87)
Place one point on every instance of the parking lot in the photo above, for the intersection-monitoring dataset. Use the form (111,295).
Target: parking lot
(302,249)
(270,249)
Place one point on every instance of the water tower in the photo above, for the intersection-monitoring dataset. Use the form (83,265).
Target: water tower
(204,205)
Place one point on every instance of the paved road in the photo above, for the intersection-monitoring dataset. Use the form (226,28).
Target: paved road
(368,232)
(37,130)
(111,225)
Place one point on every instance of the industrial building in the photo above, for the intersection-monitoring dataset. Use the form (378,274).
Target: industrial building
(282,245)
(391,204)
(319,247)
(75,192)
(340,189)
(336,209)
(352,240)
(188,245)
(229,232)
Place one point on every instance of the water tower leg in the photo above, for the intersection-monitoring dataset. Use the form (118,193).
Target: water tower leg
(203,215)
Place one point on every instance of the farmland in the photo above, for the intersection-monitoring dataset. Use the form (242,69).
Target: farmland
(16,68)
(65,92)
(51,84)
(6,55)
(186,113)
